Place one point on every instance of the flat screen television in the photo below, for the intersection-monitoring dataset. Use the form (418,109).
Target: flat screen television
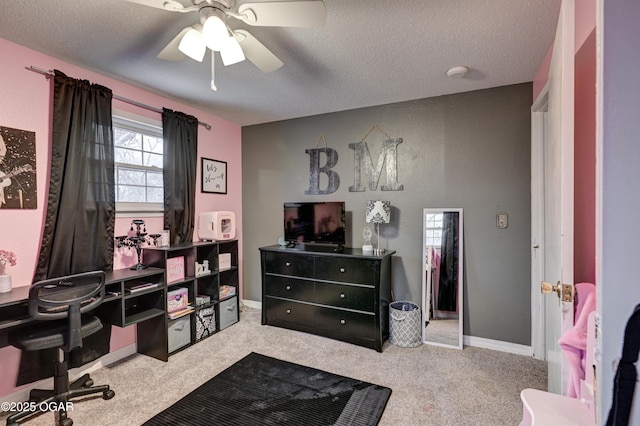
(315,222)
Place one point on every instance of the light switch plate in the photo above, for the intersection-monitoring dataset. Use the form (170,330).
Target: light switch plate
(502,220)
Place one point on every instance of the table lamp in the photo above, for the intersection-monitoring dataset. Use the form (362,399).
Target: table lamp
(378,212)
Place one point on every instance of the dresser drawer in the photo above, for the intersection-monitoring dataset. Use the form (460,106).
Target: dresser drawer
(289,264)
(346,296)
(347,323)
(346,270)
(290,288)
(284,310)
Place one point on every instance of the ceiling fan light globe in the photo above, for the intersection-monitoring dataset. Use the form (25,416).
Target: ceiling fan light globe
(231,52)
(193,45)
(215,32)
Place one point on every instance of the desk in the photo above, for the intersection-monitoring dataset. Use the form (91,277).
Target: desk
(121,307)
(14,309)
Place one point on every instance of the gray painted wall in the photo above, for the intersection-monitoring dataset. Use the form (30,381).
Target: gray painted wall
(469,150)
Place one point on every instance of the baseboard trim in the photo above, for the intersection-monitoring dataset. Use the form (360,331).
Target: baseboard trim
(23,393)
(252,304)
(497,345)
(479,342)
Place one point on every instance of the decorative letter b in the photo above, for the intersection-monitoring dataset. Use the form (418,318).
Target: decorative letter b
(315,170)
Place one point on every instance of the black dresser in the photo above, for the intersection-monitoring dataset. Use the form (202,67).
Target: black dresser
(344,296)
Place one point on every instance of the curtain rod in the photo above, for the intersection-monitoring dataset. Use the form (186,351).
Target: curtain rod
(49,74)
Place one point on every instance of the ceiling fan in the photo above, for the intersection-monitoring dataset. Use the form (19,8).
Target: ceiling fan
(212,30)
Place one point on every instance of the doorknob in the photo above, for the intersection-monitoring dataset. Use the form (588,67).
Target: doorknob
(563,291)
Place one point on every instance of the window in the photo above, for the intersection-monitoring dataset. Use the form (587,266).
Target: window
(433,229)
(138,153)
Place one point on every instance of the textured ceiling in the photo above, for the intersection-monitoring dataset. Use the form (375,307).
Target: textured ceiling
(369,52)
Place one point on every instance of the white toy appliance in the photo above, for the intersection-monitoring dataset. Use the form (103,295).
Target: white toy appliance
(215,226)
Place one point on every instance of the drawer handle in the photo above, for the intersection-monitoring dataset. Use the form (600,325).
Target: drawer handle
(342,270)
(288,311)
(343,322)
(342,295)
(288,287)
(287,264)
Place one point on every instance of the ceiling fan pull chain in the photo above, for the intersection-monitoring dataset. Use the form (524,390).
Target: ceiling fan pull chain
(213,71)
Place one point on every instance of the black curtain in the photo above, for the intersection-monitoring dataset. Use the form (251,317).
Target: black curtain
(78,229)
(180,133)
(448,283)
(79,223)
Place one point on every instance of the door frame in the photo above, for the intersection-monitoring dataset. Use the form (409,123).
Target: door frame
(538,131)
(563,56)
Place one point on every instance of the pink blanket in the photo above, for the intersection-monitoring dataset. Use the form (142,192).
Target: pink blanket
(574,341)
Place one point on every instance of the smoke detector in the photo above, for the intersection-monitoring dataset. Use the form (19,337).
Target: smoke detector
(458,71)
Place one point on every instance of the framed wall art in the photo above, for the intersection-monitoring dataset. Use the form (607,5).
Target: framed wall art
(214,176)
(17,169)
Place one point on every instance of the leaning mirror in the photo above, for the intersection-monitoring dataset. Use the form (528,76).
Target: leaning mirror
(442,281)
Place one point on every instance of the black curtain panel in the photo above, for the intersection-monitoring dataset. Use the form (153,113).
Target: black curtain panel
(448,284)
(79,223)
(180,133)
(80,218)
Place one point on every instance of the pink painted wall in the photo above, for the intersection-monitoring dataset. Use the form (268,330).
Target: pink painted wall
(585,23)
(542,75)
(585,162)
(26,104)
(585,136)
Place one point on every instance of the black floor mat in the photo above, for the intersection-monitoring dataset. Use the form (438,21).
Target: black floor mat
(260,390)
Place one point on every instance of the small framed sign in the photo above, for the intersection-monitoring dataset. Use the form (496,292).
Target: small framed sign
(214,176)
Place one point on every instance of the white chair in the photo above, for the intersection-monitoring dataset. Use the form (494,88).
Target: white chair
(540,408)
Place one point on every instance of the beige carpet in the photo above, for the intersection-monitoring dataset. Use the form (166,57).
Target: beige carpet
(431,385)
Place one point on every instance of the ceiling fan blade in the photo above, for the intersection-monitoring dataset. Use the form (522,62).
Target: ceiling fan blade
(170,5)
(309,13)
(256,52)
(170,51)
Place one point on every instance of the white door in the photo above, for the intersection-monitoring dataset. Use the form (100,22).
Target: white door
(552,202)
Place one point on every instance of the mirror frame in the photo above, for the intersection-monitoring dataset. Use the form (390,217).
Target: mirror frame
(425,309)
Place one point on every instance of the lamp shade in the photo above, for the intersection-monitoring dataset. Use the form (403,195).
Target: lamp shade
(193,45)
(215,30)
(231,52)
(378,212)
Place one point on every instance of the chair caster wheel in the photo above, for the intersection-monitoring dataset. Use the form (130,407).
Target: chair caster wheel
(108,394)
(63,420)
(88,383)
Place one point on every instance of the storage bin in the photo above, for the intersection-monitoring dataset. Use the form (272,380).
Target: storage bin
(228,312)
(404,324)
(179,333)
(205,323)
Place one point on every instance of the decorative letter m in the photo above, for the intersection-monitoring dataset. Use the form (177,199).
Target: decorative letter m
(362,163)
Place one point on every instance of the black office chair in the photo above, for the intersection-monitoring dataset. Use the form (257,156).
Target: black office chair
(57,305)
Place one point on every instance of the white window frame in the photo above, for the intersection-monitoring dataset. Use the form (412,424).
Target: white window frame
(136,123)
(429,230)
